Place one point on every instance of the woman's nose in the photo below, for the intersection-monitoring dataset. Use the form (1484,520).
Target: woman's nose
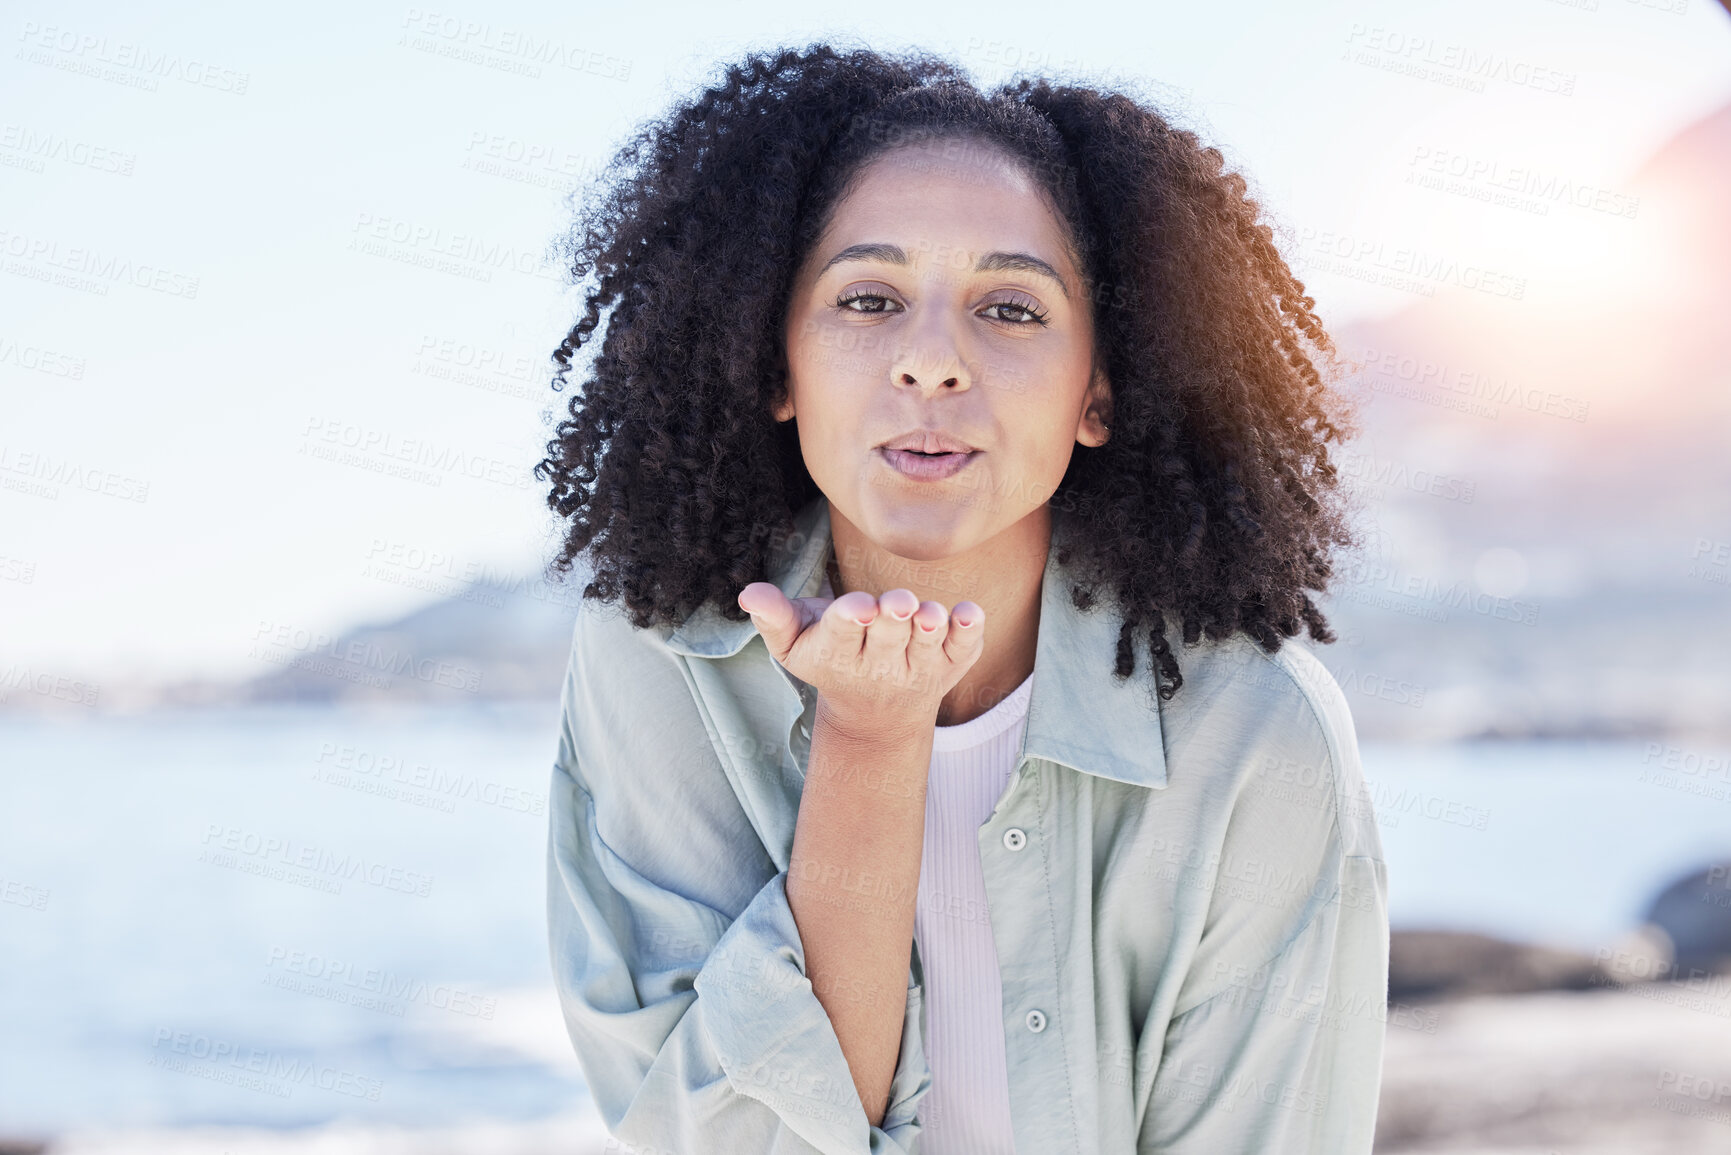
(920,368)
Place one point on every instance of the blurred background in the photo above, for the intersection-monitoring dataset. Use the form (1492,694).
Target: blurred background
(279,674)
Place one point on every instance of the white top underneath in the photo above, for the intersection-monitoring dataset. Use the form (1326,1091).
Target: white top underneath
(967,1110)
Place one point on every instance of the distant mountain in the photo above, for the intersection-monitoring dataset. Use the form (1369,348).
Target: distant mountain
(490,641)
(1548,489)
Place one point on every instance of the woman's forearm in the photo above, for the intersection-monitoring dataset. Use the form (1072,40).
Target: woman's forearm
(853,881)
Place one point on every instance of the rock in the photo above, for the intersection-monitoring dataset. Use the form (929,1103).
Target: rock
(1439,964)
(1642,1070)
(1695,912)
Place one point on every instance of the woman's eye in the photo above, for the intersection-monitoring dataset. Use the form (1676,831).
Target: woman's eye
(1027,314)
(876,303)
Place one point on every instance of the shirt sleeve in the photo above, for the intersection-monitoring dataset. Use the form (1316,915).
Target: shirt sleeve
(1275,1043)
(676,958)
(1288,1060)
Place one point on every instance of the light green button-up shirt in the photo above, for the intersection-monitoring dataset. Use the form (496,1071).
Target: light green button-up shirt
(1188,898)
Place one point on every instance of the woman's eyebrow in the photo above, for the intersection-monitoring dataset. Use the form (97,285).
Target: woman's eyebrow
(996,261)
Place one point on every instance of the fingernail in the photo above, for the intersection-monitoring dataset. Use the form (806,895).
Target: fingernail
(964,625)
(925,629)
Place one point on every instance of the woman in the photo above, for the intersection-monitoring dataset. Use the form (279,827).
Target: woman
(917,413)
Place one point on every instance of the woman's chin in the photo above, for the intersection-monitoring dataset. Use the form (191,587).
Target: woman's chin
(927,529)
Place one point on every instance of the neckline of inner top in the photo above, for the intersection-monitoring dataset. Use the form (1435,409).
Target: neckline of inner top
(1007,713)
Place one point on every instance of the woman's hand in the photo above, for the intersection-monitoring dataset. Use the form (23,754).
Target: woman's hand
(879,662)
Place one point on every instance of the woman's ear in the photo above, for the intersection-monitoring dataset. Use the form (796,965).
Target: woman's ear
(783,410)
(1095,427)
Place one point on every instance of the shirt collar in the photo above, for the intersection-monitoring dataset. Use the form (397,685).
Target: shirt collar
(1079,713)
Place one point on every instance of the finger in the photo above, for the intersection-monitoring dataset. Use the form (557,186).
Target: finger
(886,640)
(967,633)
(844,627)
(810,610)
(930,625)
(775,617)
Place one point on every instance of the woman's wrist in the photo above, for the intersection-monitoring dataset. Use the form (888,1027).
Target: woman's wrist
(876,725)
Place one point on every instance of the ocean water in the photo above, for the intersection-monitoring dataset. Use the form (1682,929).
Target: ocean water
(294,915)
(183,970)
(1564,843)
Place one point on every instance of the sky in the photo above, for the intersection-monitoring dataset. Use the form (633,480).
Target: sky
(253,259)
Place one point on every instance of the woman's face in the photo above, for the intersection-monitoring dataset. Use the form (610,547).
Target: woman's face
(941,299)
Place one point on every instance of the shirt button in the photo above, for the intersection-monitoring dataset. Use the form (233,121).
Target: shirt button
(1036,1021)
(805,730)
(1014,839)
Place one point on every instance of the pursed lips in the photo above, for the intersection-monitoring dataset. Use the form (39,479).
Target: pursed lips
(919,466)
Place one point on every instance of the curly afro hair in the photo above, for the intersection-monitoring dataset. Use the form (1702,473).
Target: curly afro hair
(1214,501)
